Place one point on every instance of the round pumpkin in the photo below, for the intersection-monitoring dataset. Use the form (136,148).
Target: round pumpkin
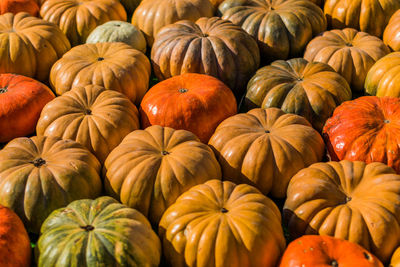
(151,15)
(77,18)
(41,174)
(391,35)
(15,6)
(118,31)
(29,45)
(351,53)
(115,66)
(265,148)
(219,224)
(395,260)
(130,5)
(209,46)
(282,27)
(21,101)
(315,250)
(193,102)
(95,117)
(309,89)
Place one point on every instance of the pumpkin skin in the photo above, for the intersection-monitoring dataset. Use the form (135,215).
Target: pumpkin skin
(391,35)
(29,45)
(118,31)
(265,148)
(95,117)
(115,66)
(21,101)
(151,15)
(220,224)
(209,46)
(15,6)
(315,250)
(395,260)
(15,246)
(282,27)
(78,18)
(41,174)
(309,89)
(192,102)
(151,168)
(351,53)
(100,232)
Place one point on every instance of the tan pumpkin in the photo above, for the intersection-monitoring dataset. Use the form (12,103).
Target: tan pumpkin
(395,260)
(391,35)
(115,66)
(265,148)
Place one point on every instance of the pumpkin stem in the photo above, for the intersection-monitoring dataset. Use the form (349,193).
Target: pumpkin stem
(334,263)
(38,162)
(183,90)
(88,112)
(366,255)
(3,90)
(386,121)
(100,58)
(267,131)
(223,210)
(88,227)
(165,153)
(349,44)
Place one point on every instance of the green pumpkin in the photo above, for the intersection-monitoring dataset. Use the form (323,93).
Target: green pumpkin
(100,232)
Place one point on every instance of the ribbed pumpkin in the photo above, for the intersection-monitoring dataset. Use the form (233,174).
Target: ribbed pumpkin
(21,101)
(15,6)
(308,89)
(29,46)
(193,102)
(265,148)
(77,18)
(282,27)
(152,167)
(95,117)
(395,260)
(219,224)
(209,46)
(391,35)
(100,232)
(151,15)
(351,53)
(41,174)
(355,201)
(115,66)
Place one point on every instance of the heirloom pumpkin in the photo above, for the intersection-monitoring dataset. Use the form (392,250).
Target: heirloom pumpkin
(351,53)
(77,18)
(355,201)
(100,232)
(308,89)
(15,6)
(395,260)
(282,27)
(209,46)
(391,35)
(95,117)
(115,66)
(152,167)
(29,45)
(265,148)
(41,174)
(21,101)
(219,224)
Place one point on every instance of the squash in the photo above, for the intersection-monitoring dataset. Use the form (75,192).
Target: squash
(115,66)
(209,46)
(308,89)
(218,224)
(193,102)
(265,148)
(15,6)
(395,260)
(391,35)
(41,174)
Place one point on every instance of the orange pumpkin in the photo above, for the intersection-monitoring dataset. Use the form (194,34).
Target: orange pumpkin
(15,6)
(395,260)
(391,35)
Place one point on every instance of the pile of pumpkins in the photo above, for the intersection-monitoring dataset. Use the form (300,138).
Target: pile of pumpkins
(199,133)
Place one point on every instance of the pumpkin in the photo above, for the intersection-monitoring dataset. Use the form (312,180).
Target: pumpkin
(209,46)
(220,224)
(15,6)
(282,27)
(100,232)
(193,102)
(95,117)
(15,247)
(392,32)
(265,148)
(151,15)
(29,45)
(351,53)
(308,89)
(130,5)
(115,66)
(77,18)
(315,250)
(118,31)
(369,16)
(41,174)
(395,260)
(21,101)
(152,167)
(350,200)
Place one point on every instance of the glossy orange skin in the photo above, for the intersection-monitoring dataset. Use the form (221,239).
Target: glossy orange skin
(391,35)
(200,109)
(15,6)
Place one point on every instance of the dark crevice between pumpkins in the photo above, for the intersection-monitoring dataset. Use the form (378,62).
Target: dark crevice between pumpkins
(88,228)
(38,162)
